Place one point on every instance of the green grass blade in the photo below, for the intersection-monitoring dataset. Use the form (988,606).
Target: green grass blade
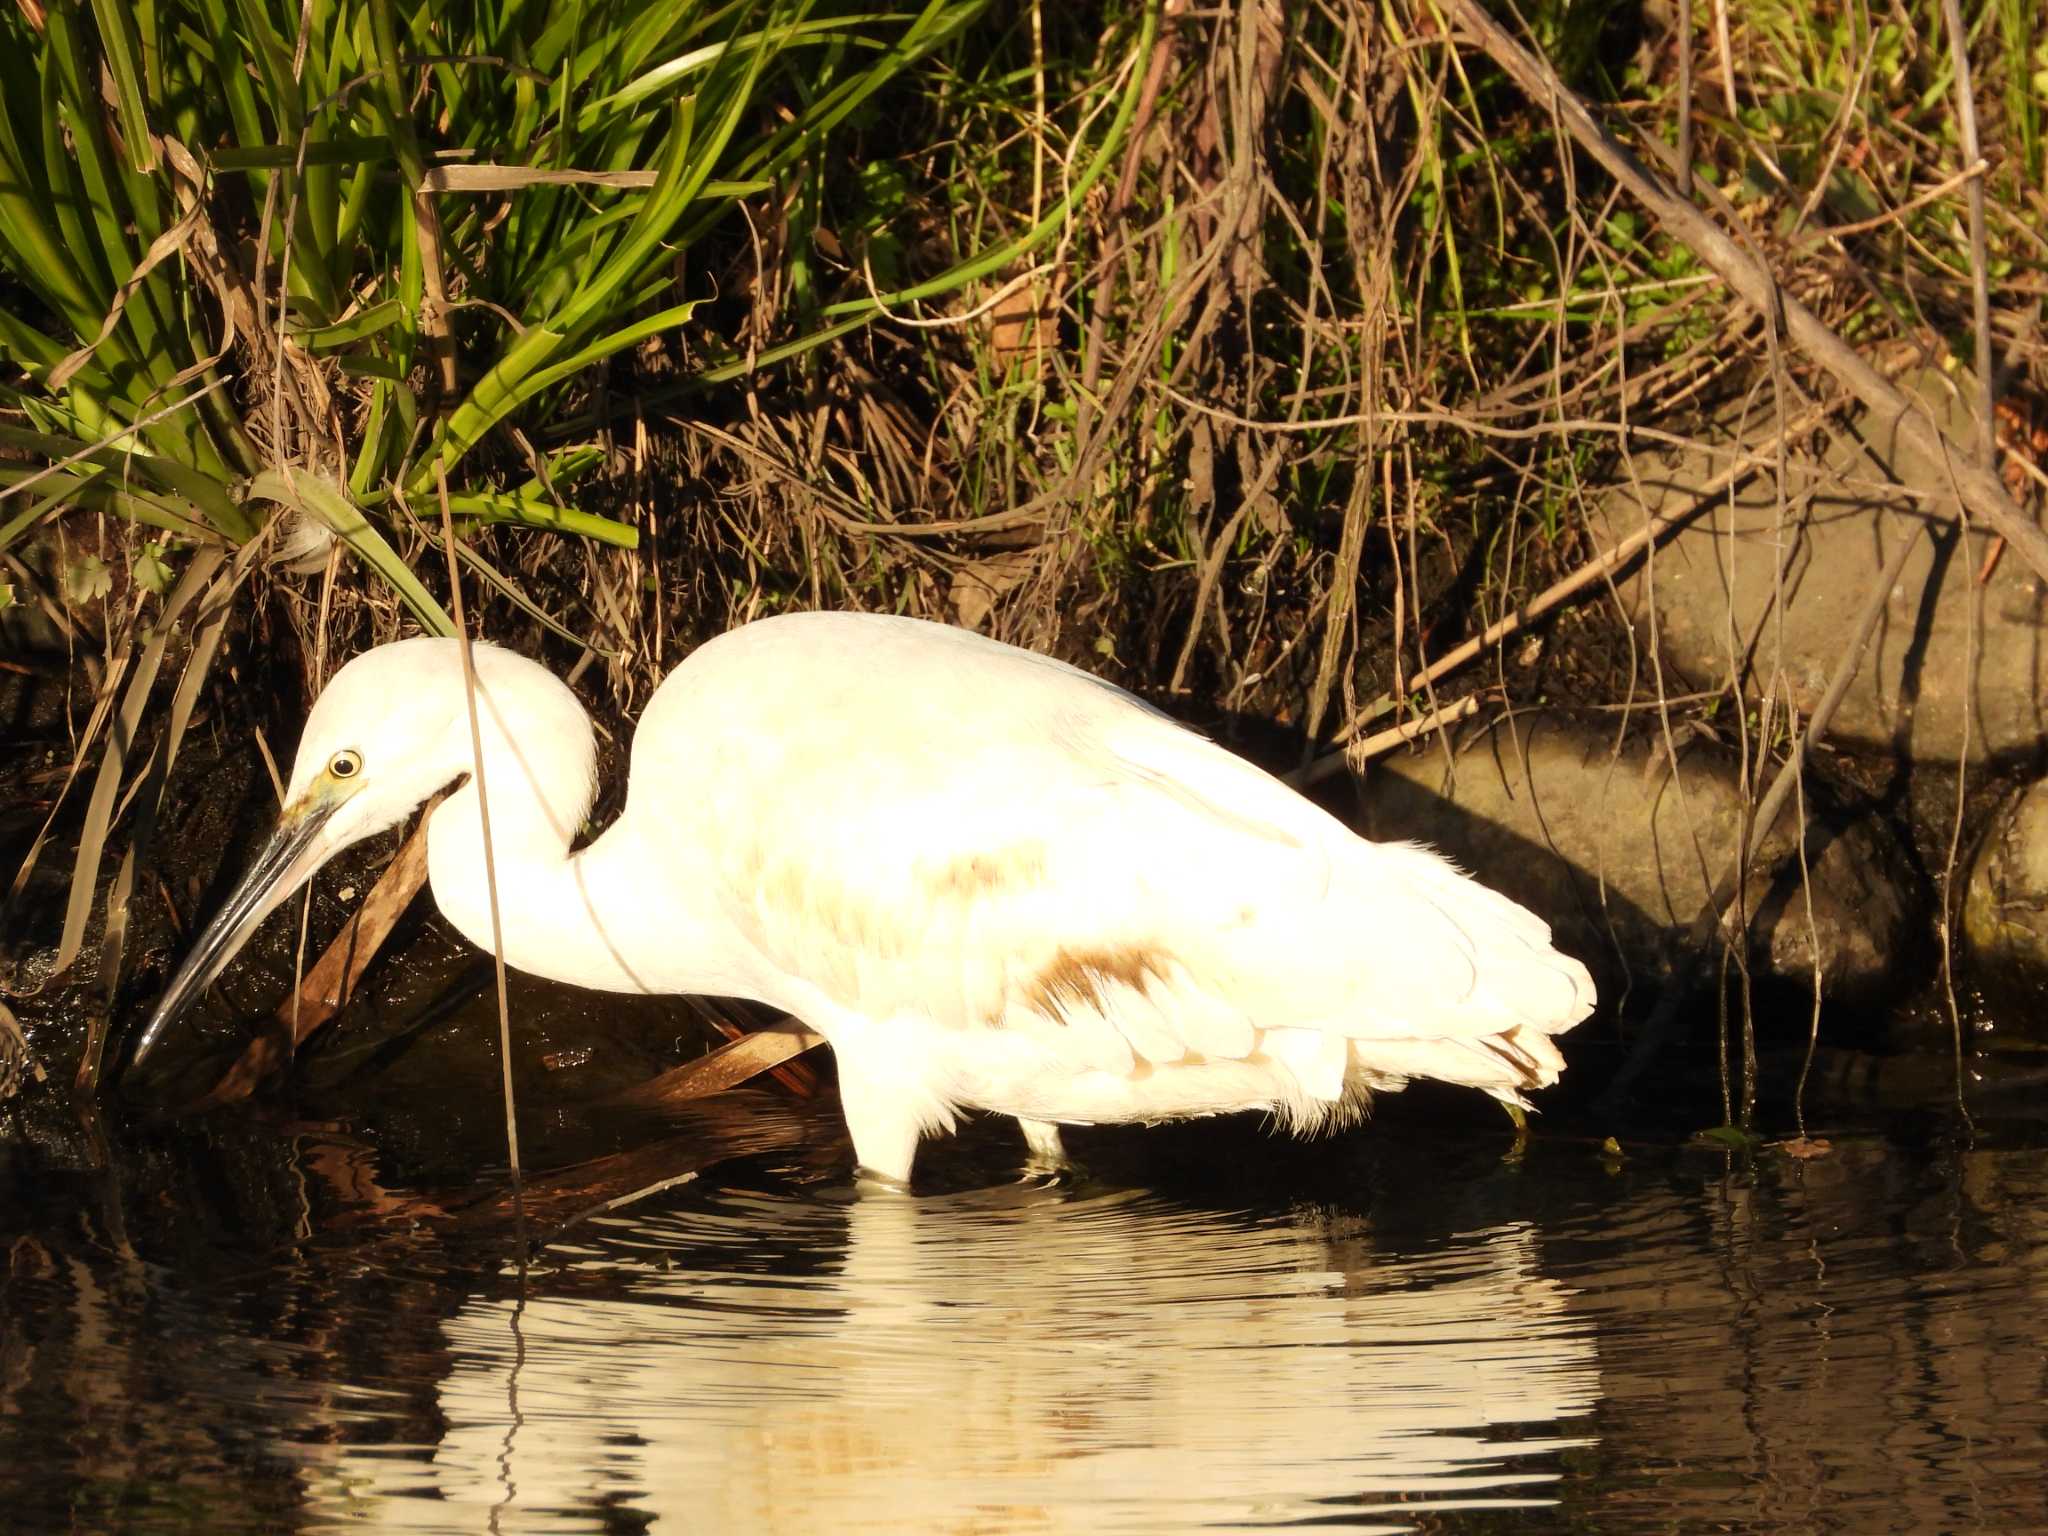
(353,149)
(531,511)
(313,496)
(519,378)
(995,260)
(121,43)
(496,395)
(342,333)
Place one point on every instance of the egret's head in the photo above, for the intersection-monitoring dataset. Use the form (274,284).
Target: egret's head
(387,732)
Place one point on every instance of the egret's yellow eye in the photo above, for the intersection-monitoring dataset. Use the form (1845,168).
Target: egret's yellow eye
(345,765)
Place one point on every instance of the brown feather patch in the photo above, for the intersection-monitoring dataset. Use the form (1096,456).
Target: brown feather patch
(1080,978)
(983,874)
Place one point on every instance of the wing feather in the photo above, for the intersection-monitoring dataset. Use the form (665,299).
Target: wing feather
(987,842)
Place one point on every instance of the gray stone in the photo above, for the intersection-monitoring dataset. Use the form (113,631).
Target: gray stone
(1619,853)
(2005,906)
(1713,584)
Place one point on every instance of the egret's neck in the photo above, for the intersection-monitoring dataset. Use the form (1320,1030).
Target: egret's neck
(605,916)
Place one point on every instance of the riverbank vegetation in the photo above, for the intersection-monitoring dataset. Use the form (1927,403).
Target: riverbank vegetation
(1270,359)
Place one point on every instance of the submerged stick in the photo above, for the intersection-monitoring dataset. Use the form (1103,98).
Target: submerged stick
(332,981)
(761,1050)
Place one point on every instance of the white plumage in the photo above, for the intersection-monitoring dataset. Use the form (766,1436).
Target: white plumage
(990,880)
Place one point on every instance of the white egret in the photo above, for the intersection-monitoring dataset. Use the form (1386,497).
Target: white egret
(990,880)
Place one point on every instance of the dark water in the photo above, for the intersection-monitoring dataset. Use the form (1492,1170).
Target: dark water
(256,1328)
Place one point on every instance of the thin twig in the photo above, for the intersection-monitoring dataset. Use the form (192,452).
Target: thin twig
(1127,181)
(1658,1028)
(1813,950)
(1684,33)
(331,983)
(1980,261)
(1727,56)
(483,811)
(1601,565)
(1382,742)
(1973,173)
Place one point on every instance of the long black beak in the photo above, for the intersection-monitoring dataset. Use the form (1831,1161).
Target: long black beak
(287,861)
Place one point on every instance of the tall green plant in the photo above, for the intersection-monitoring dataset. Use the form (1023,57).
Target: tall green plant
(263,253)
(334,254)
(451,213)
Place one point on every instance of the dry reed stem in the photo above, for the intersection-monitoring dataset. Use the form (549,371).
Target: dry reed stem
(1381,743)
(1980,262)
(483,811)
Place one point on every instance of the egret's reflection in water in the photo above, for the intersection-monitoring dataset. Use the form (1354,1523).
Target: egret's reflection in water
(1024,1358)
(1390,1332)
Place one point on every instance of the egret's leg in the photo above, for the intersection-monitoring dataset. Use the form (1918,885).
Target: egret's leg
(1043,1138)
(1519,1115)
(883,1120)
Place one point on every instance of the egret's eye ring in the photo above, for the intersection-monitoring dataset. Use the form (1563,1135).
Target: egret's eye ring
(345,765)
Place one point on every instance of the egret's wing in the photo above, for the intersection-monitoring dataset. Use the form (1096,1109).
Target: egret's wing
(1123,892)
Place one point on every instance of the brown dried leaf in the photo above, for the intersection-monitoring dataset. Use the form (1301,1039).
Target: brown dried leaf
(980,584)
(1023,326)
(1806,1148)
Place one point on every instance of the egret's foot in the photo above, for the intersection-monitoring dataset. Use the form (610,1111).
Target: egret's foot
(866,1181)
(1045,1154)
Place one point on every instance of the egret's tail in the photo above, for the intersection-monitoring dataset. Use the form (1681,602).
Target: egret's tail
(1494,1032)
